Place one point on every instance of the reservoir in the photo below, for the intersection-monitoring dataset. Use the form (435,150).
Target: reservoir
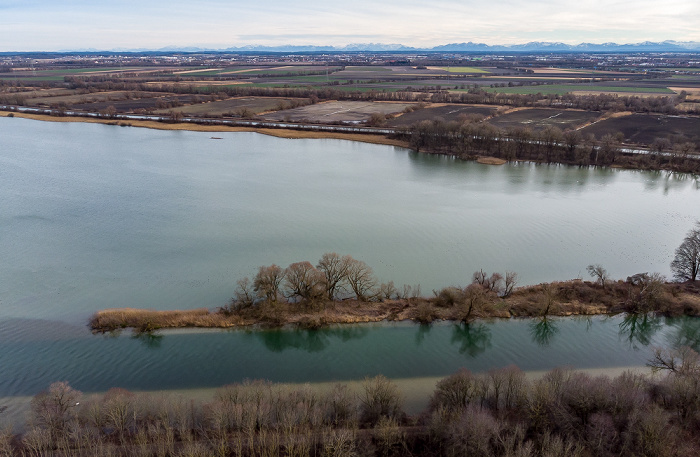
(95,216)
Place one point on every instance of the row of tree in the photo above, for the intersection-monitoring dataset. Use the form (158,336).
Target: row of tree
(551,144)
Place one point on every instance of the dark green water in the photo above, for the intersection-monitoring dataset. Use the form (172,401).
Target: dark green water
(96,216)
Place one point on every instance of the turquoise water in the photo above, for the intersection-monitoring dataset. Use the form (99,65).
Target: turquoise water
(97,216)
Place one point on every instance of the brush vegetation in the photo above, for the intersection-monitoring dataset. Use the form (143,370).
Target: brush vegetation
(498,413)
(343,290)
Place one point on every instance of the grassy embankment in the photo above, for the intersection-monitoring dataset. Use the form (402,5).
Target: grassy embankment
(568,298)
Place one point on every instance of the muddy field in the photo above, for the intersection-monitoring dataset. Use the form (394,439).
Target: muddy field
(337,111)
(539,118)
(644,129)
(447,113)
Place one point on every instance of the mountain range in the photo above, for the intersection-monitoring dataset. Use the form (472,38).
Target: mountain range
(534,46)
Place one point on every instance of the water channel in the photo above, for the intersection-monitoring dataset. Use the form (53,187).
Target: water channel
(95,216)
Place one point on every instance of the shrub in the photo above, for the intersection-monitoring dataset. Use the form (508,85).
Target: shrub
(380,398)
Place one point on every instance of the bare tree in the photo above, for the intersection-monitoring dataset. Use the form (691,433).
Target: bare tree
(494,282)
(509,283)
(335,270)
(361,279)
(267,282)
(597,271)
(304,281)
(244,295)
(479,277)
(683,361)
(53,408)
(686,263)
(474,299)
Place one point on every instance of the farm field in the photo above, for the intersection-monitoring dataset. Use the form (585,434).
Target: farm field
(561,89)
(78,98)
(337,111)
(644,128)
(255,105)
(539,118)
(447,113)
(472,70)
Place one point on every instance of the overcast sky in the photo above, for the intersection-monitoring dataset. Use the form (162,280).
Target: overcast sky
(49,25)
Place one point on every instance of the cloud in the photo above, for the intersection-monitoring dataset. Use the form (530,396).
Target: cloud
(50,25)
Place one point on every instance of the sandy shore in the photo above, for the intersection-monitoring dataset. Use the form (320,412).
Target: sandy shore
(280,133)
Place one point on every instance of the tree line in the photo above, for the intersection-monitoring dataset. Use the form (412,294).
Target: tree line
(473,137)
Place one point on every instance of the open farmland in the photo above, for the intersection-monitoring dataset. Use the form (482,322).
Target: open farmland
(561,89)
(337,111)
(254,105)
(539,118)
(644,128)
(447,113)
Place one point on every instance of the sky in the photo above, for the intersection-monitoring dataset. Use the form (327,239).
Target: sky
(53,25)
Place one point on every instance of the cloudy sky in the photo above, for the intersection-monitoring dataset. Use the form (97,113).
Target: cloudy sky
(48,25)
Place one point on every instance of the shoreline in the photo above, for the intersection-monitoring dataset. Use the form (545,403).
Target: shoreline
(191,127)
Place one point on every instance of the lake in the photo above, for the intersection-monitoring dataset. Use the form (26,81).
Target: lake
(96,216)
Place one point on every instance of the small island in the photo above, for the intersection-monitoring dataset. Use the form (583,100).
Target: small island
(343,290)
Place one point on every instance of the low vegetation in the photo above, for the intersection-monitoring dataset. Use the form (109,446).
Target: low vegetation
(498,413)
(341,289)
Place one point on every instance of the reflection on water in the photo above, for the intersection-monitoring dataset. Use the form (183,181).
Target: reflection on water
(668,181)
(639,329)
(422,332)
(686,332)
(543,331)
(149,340)
(307,340)
(472,339)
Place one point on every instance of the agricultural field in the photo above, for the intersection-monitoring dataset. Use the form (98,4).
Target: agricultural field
(561,89)
(147,104)
(236,106)
(337,111)
(447,113)
(539,118)
(86,98)
(468,70)
(644,128)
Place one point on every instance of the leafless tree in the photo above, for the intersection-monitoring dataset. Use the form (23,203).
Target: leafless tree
(361,279)
(597,271)
(267,282)
(686,263)
(244,294)
(683,361)
(335,271)
(479,277)
(304,281)
(474,299)
(53,408)
(509,283)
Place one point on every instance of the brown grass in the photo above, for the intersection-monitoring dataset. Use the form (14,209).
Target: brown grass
(566,298)
(486,160)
